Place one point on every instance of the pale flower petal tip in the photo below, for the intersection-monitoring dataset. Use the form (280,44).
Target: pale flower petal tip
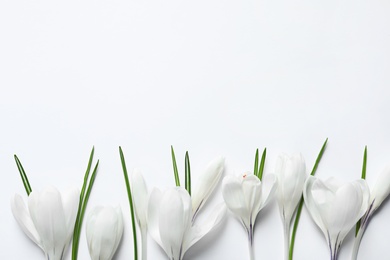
(206,183)
(104,232)
(140,197)
(381,188)
(49,219)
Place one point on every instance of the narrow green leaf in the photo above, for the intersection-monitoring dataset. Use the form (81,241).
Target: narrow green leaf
(130,197)
(23,175)
(85,202)
(364,169)
(299,210)
(82,204)
(175,171)
(262,163)
(187,173)
(256,167)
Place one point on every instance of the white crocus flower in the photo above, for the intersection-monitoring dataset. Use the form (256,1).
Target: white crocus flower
(245,196)
(207,181)
(378,194)
(140,199)
(104,232)
(169,221)
(49,220)
(291,173)
(336,207)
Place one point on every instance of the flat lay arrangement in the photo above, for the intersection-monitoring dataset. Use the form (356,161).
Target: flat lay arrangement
(52,219)
(195,130)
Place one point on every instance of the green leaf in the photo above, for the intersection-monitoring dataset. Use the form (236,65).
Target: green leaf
(175,171)
(299,211)
(23,175)
(262,163)
(130,197)
(256,167)
(187,173)
(364,169)
(84,197)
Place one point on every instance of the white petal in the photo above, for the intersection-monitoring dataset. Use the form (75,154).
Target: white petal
(153,215)
(381,188)
(186,199)
(268,188)
(175,220)
(333,183)
(24,220)
(197,232)
(70,202)
(344,211)
(104,231)
(315,185)
(251,188)
(291,172)
(93,248)
(366,196)
(234,198)
(206,183)
(140,196)
(48,216)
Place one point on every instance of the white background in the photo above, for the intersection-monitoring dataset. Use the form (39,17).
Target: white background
(215,77)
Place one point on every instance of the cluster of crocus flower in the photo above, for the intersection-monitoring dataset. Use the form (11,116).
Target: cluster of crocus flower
(246,195)
(51,218)
(169,216)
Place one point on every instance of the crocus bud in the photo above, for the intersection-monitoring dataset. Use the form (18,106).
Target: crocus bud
(140,197)
(104,232)
(381,188)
